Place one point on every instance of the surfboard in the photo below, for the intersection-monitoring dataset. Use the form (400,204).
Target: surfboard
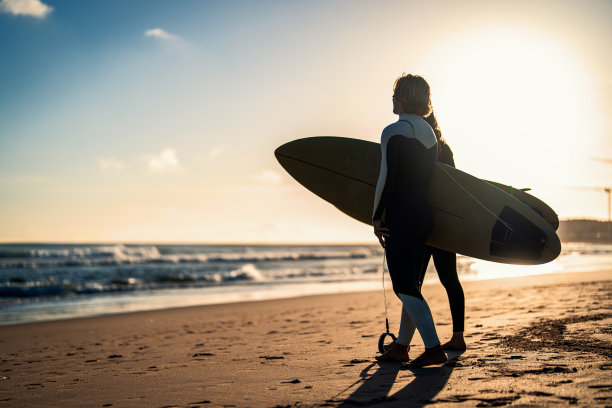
(471,216)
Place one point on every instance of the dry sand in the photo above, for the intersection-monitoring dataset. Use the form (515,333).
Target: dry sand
(533,341)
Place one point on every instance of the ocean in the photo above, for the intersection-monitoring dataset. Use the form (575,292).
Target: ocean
(41,282)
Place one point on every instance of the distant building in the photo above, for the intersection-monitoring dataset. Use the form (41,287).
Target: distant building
(585,231)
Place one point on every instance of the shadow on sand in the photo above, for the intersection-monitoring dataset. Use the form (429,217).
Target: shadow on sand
(375,388)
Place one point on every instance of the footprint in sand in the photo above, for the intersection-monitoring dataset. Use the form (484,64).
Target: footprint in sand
(203,355)
(272,357)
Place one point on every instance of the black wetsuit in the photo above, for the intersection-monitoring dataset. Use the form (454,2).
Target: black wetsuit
(446,263)
(409,157)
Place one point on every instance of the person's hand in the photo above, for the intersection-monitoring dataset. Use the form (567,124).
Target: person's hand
(381,232)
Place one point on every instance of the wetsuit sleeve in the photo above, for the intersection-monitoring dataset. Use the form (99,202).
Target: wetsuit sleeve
(388,175)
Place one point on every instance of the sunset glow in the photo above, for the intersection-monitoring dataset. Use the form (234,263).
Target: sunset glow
(124,124)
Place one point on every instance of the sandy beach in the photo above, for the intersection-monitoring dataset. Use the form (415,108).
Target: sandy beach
(532,341)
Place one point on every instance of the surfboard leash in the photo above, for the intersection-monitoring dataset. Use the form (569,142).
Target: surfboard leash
(381,339)
(384,290)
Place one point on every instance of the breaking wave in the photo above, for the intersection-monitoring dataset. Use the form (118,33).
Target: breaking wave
(125,254)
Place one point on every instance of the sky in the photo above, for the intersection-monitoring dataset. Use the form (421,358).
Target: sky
(156,121)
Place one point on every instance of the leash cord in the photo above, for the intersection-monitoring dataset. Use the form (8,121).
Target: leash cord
(385,291)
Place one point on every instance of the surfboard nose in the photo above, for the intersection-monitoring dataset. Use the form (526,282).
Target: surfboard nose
(286,153)
(280,150)
(292,148)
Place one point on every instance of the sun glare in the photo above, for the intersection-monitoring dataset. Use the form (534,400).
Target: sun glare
(510,96)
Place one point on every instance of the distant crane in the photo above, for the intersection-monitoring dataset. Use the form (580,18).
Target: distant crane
(606,190)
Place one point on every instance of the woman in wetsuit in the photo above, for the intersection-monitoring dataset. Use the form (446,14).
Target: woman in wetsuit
(446,262)
(409,154)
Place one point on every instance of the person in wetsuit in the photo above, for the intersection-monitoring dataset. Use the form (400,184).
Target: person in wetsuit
(409,154)
(446,262)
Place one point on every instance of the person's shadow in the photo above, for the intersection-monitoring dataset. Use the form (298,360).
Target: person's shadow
(375,387)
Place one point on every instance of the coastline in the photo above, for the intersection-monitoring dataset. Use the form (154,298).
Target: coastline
(537,339)
(52,282)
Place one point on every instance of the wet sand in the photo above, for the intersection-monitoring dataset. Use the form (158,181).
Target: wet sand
(532,341)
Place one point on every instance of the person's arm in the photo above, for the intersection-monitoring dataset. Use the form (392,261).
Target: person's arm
(386,184)
(388,174)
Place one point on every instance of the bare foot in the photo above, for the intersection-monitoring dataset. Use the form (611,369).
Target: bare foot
(395,352)
(456,343)
(431,356)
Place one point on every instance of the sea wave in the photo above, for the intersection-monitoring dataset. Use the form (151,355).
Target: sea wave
(114,251)
(122,254)
(31,271)
(47,285)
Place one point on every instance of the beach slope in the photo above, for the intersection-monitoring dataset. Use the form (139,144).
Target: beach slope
(532,341)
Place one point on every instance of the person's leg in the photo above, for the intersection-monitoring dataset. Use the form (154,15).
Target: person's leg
(401,253)
(407,326)
(397,252)
(426,257)
(446,265)
(420,314)
(398,350)
(405,260)
(406,330)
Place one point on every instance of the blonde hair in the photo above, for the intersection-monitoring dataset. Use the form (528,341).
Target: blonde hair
(414,94)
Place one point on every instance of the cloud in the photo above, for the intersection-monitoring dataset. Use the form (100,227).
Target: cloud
(267,177)
(160,34)
(164,161)
(30,8)
(216,152)
(110,164)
